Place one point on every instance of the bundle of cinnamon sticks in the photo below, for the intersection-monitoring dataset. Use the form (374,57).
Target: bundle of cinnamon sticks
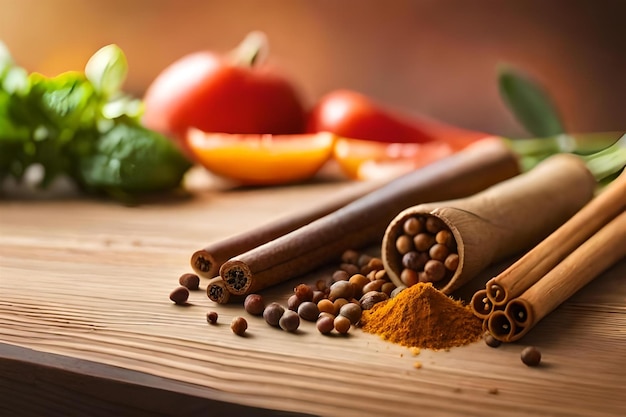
(589,243)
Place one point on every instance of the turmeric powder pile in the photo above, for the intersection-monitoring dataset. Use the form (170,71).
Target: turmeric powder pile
(422,316)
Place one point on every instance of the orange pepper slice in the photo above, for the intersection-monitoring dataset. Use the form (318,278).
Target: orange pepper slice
(261,159)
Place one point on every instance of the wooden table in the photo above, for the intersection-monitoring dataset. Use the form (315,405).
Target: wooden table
(87,328)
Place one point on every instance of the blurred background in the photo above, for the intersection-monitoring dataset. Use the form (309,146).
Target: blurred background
(436,57)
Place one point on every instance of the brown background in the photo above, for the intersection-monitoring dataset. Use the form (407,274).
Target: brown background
(429,56)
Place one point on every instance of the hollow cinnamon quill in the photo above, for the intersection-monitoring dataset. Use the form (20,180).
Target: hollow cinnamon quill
(207,261)
(601,251)
(363,221)
(522,274)
(503,220)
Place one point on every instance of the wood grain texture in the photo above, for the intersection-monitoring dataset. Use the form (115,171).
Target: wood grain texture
(90,280)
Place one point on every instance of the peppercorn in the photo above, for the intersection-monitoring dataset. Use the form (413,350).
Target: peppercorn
(445,237)
(433,224)
(211,317)
(325,324)
(239,326)
(318,295)
(438,251)
(373,285)
(337,304)
(190,281)
(293,302)
(352,311)
(308,311)
(423,241)
(254,304)
(341,289)
(358,281)
(491,341)
(180,295)
(371,298)
(412,226)
(404,244)
(303,292)
(350,256)
(409,277)
(290,321)
(342,324)
(414,260)
(388,287)
(452,262)
(272,313)
(326,305)
(434,270)
(531,356)
(350,269)
(363,260)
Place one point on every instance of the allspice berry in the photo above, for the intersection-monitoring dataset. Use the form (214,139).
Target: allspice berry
(531,356)
(290,321)
(211,317)
(272,313)
(180,295)
(189,281)
(239,325)
(254,304)
(371,298)
(491,341)
(342,324)
(352,311)
(308,311)
(303,292)
(325,324)
(341,289)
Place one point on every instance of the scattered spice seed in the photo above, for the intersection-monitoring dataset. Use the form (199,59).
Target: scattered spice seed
(350,256)
(493,391)
(342,324)
(417,364)
(372,298)
(239,325)
(189,281)
(211,317)
(293,302)
(326,305)
(351,311)
(254,304)
(303,292)
(272,313)
(325,324)
(491,341)
(531,356)
(180,295)
(290,321)
(308,311)
(341,289)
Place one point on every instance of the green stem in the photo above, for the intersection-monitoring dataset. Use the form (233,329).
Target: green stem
(603,154)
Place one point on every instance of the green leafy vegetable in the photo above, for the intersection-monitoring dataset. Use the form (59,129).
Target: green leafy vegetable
(529,102)
(80,124)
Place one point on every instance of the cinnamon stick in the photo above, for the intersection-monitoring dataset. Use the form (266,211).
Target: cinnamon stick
(598,253)
(526,271)
(503,220)
(363,222)
(206,262)
(216,290)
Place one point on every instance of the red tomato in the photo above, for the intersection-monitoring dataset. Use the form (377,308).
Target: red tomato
(353,115)
(215,94)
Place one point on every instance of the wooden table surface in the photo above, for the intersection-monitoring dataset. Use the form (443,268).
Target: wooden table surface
(86,328)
